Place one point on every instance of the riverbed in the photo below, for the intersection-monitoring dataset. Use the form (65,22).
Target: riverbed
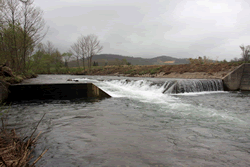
(138,126)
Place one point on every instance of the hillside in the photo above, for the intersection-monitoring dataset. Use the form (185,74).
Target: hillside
(113,59)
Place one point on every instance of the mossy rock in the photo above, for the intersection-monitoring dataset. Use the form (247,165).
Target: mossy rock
(14,80)
(6,72)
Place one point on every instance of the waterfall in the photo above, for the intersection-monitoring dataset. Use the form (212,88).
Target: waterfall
(192,85)
(168,86)
(174,86)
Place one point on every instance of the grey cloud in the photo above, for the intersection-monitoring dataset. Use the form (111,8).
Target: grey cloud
(147,28)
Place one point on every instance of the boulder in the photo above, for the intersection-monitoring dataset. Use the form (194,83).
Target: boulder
(6,72)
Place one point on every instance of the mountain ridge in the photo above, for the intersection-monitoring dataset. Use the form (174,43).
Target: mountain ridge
(116,59)
(141,61)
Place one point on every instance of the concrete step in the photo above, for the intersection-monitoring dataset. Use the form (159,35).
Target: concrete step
(245,79)
(247,68)
(238,79)
(246,74)
(245,83)
(245,87)
(57,91)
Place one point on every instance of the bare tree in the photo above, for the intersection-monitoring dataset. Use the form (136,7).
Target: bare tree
(33,25)
(2,7)
(10,13)
(21,27)
(49,48)
(76,51)
(82,45)
(245,52)
(87,47)
(92,47)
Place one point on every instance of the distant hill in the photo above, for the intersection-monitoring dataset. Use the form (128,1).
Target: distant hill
(113,59)
(164,59)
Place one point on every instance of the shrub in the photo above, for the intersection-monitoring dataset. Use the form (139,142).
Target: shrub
(153,71)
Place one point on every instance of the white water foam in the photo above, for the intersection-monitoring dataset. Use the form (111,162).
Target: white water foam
(198,93)
(148,92)
(141,90)
(81,79)
(193,85)
(145,92)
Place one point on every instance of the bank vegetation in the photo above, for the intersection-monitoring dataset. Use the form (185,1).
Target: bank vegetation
(196,67)
(16,151)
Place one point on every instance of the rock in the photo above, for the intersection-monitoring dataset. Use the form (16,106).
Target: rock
(127,80)
(6,72)
(14,80)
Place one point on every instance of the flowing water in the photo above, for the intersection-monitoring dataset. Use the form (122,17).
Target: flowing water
(147,122)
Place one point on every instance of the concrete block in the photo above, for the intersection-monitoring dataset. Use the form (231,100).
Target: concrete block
(65,91)
(232,80)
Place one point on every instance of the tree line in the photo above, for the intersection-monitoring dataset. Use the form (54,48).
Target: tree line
(22,28)
(46,56)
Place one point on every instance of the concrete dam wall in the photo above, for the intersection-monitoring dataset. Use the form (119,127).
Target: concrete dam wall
(65,91)
(245,80)
(239,79)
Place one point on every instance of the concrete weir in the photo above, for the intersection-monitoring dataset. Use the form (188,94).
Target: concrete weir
(60,91)
(239,79)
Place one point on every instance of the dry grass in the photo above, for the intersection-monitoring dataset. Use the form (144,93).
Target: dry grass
(14,151)
(204,65)
(209,68)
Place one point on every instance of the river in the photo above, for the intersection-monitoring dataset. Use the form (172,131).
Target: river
(139,126)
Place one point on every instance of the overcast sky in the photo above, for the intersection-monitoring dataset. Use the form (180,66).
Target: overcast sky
(150,28)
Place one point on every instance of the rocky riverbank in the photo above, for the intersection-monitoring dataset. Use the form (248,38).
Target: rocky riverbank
(7,75)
